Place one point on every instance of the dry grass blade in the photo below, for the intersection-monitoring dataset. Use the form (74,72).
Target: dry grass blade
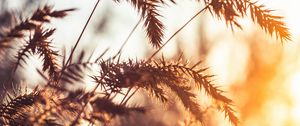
(39,16)
(15,111)
(272,24)
(188,100)
(230,10)
(57,104)
(102,105)
(202,81)
(155,76)
(45,14)
(149,12)
(153,25)
(75,72)
(39,44)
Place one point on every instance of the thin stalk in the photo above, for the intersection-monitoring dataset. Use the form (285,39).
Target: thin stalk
(77,42)
(125,96)
(86,103)
(71,55)
(80,36)
(126,40)
(124,103)
(175,33)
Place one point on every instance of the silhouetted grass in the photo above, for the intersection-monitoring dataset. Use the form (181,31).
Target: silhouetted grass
(56,104)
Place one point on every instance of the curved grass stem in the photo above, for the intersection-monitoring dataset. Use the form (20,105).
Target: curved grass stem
(175,33)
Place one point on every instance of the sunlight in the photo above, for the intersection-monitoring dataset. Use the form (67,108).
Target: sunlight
(291,9)
(226,56)
(294,92)
(294,86)
(255,82)
(294,89)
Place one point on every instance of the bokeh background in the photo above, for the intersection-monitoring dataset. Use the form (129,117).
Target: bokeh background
(260,74)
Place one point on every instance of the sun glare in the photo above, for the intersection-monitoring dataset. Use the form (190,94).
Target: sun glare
(294,91)
(295,86)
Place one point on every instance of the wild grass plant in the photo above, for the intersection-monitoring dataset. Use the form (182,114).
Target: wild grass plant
(54,103)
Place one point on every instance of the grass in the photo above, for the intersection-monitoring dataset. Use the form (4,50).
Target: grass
(56,104)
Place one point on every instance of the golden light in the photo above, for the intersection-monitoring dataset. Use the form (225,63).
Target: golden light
(229,57)
(294,91)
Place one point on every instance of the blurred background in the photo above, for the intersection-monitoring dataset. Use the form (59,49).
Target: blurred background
(260,74)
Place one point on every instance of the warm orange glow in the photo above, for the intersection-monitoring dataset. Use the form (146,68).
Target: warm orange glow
(261,75)
(294,89)
(269,89)
(247,64)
